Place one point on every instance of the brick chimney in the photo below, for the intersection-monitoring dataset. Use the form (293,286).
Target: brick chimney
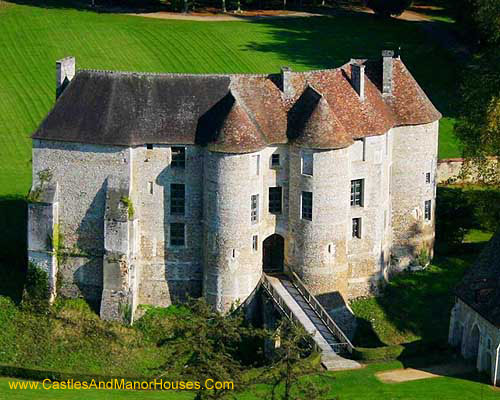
(358,79)
(387,61)
(65,71)
(286,85)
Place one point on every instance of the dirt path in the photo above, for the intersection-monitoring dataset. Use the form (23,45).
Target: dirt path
(224,16)
(435,371)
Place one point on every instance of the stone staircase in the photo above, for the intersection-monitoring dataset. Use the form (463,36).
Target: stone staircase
(298,304)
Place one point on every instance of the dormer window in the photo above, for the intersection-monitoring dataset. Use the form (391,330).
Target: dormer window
(275,160)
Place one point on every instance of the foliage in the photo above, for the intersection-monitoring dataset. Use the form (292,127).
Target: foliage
(292,346)
(206,346)
(127,202)
(479,20)
(157,321)
(36,290)
(387,8)
(423,258)
(44,177)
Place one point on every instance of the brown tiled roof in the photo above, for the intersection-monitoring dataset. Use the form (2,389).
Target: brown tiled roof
(480,287)
(233,113)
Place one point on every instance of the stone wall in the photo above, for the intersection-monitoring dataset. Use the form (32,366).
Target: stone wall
(476,338)
(415,155)
(81,172)
(449,170)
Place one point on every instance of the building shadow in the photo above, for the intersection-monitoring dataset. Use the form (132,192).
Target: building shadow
(13,246)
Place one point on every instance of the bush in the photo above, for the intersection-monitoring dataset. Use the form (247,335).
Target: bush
(386,8)
(36,289)
(385,353)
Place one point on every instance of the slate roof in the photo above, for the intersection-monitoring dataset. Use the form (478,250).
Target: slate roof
(480,287)
(233,113)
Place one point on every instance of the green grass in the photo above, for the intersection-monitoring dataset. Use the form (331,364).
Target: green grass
(449,145)
(32,38)
(346,385)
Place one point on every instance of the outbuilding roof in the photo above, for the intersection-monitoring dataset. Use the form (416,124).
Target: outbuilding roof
(480,287)
(234,113)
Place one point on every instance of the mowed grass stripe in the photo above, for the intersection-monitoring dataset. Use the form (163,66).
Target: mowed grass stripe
(32,38)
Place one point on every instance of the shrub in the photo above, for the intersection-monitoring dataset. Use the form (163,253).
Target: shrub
(386,8)
(36,289)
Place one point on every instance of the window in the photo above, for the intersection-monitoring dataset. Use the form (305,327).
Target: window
(428,177)
(178,157)
(256,164)
(427,210)
(275,160)
(275,199)
(307,205)
(255,242)
(307,163)
(177,234)
(357,192)
(356,228)
(150,187)
(254,214)
(149,146)
(177,199)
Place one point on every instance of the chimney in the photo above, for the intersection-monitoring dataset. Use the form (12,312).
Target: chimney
(358,79)
(65,71)
(286,85)
(387,60)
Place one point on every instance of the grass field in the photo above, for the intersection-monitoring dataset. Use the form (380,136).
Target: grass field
(33,37)
(346,385)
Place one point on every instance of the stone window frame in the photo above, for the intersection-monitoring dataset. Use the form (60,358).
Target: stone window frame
(171,235)
(428,210)
(177,201)
(275,205)
(306,205)
(275,160)
(178,157)
(357,226)
(358,192)
(254,208)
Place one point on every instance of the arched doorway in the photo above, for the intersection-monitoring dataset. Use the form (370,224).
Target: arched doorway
(473,343)
(273,250)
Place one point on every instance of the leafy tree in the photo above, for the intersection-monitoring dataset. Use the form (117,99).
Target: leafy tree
(288,366)
(479,20)
(207,346)
(478,127)
(387,8)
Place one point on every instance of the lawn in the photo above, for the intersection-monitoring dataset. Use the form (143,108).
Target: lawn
(346,385)
(33,37)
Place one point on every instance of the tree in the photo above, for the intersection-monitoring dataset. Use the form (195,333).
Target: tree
(478,126)
(387,8)
(288,365)
(207,345)
(479,21)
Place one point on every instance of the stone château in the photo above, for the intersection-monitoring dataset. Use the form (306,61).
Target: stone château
(151,187)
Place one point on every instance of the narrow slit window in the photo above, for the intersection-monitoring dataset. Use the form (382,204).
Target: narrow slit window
(427,210)
(307,204)
(177,199)
(275,200)
(428,177)
(177,234)
(255,242)
(254,205)
(356,228)
(150,187)
(178,157)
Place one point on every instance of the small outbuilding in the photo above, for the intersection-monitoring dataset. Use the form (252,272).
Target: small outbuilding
(475,318)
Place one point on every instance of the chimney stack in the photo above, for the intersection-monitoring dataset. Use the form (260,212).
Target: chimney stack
(286,85)
(358,79)
(387,61)
(65,71)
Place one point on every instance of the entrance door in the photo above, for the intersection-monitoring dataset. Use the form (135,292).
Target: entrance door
(273,250)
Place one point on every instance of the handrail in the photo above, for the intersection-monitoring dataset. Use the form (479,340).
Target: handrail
(283,308)
(322,314)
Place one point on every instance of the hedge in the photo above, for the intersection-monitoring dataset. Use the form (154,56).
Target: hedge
(397,351)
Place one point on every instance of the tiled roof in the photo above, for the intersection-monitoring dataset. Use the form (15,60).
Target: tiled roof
(234,113)
(480,287)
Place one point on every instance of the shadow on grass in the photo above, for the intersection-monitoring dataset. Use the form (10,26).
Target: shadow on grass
(13,213)
(132,6)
